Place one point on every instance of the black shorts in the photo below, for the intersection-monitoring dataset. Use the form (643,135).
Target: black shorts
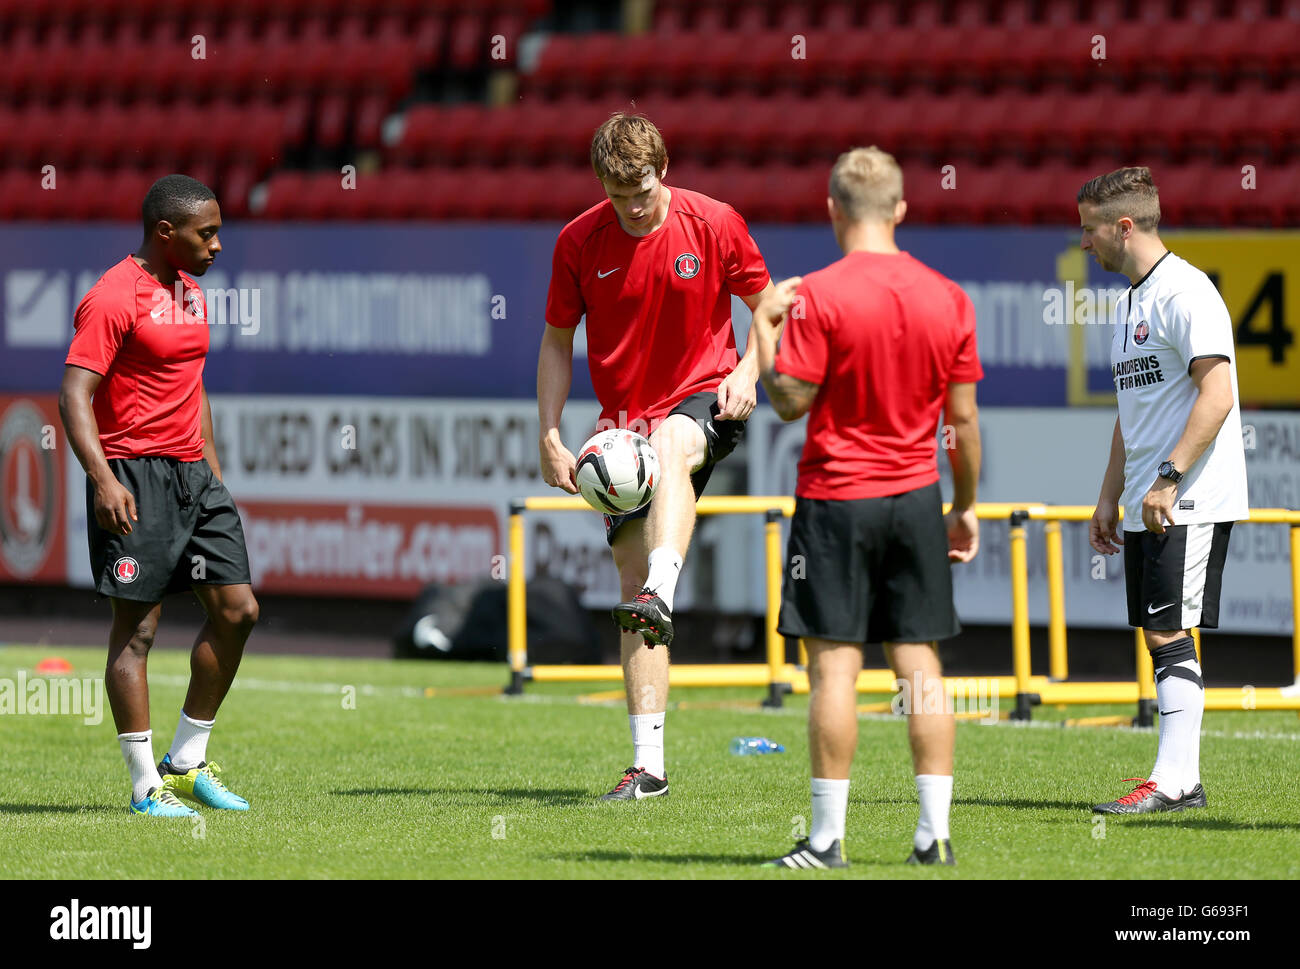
(870,570)
(1173,580)
(721,438)
(188,533)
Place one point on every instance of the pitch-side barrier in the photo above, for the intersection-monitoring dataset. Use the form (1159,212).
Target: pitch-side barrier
(780,677)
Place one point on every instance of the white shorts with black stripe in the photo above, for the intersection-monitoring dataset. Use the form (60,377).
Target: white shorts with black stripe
(1173,580)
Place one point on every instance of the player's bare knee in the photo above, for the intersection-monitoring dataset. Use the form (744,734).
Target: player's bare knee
(141,637)
(135,631)
(241,614)
(1156,638)
(906,659)
(679,442)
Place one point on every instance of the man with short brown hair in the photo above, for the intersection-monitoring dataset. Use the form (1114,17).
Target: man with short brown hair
(1176,463)
(652,270)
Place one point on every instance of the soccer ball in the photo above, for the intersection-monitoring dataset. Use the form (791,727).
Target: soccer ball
(617,471)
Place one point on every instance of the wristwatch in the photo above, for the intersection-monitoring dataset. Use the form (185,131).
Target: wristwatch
(1167,470)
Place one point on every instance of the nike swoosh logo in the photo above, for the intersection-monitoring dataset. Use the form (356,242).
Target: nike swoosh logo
(1152,610)
(642,796)
(659,726)
(1166,713)
(159,311)
(601,275)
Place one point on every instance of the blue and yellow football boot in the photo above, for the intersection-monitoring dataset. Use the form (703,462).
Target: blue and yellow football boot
(162,803)
(200,784)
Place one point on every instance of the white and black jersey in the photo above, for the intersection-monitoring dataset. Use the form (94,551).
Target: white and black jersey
(1170,318)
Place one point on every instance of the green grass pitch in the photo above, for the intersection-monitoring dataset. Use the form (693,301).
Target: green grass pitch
(416,780)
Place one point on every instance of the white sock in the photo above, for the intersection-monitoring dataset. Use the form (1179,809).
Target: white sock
(830,805)
(1181,702)
(665,567)
(190,745)
(137,751)
(935,791)
(648,742)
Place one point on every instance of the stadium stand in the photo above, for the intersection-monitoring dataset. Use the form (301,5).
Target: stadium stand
(754,97)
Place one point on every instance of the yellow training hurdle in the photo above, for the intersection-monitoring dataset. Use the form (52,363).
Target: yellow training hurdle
(781,677)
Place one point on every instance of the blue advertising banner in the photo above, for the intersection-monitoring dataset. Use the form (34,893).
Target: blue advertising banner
(456,311)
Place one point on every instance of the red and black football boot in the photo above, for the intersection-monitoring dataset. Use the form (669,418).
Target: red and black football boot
(648,615)
(636,785)
(1145,799)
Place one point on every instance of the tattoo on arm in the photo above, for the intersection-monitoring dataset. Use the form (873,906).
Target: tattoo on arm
(790,396)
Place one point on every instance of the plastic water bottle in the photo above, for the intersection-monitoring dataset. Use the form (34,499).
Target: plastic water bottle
(744,746)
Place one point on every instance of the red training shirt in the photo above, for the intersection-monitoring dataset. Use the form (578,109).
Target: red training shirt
(884,335)
(658,307)
(150,353)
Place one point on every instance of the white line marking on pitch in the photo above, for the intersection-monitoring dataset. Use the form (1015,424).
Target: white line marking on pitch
(368,689)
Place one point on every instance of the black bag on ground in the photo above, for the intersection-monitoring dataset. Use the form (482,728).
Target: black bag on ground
(468,622)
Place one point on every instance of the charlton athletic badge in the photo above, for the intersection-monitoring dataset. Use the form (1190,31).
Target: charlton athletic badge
(126,569)
(687,265)
(1140,333)
(194,303)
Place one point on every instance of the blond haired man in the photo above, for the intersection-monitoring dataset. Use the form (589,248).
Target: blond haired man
(876,347)
(1176,463)
(652,269)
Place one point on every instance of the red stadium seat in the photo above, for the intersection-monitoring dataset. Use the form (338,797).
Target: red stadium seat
(10,119)
(669,20)
(880,15)
(468,36)
(752,18)
(332,121)
(1107,13)
(710,20)
(454,129)
(111,137)
(944,49)
(447,188)
(1157,12)
(679,60)
(1265,124)
(1177,49)
(557,65)
(367,122)
(975,13)
(126,189)
(16,189)
(1274,200)
(428,37)
(973,131)
(426,131)
(887,123)
(795,193)
(839,17)
(1187,197)
(639,67)
(927,199)
(924,14)
(1054,12)
(236,184)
